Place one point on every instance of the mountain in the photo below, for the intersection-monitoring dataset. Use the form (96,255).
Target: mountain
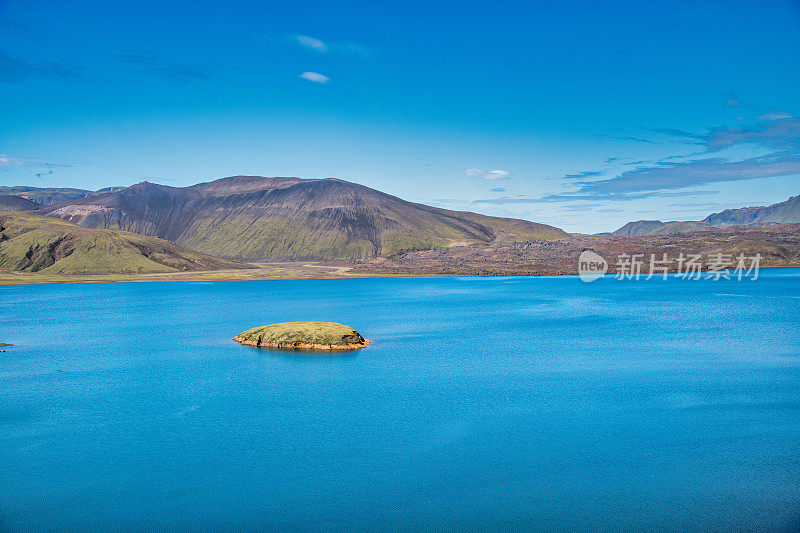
(640,227)
(9,202)
(257,218)
(34,243)
(787,212)
(781,213)
(51,195)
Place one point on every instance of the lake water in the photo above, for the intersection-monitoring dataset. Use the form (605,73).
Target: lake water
(483,404)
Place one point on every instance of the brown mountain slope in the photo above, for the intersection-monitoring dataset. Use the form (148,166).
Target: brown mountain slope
(34,243)
(779,245)
(254,218)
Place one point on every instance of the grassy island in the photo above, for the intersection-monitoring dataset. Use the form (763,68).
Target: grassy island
(4,344)
(304,336)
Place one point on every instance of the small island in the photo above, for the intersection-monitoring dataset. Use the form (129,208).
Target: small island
(304,336)
(4,344)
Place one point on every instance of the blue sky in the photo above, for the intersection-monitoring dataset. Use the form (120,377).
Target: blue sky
(584,115)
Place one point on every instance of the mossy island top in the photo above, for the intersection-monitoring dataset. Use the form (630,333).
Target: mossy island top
(304,336)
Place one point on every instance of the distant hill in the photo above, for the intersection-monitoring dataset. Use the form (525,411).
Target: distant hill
(640,227)
(51,195)
(33,243)
(787,212)
(256,218)
(10,202)
(781,213)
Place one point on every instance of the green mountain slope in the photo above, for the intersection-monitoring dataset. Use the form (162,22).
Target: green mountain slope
(255,218)
(34,243)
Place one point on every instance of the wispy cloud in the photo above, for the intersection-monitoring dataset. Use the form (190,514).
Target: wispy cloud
(487,174)
(13,70)
(778,133)
(497,189)
(581,207)
(581,175)
(161,66)
(676,133)
(780,130)
(331,47)
(312,43)
(316,77)
(606,136)
(554,198)
(11,161)
(777,115)
(676,175)
(775,131)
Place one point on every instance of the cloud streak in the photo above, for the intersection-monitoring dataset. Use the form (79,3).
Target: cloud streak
(553,198)
(676,175)
(581,175)
(331,47)
(316,77)
(11,161)
(490,175)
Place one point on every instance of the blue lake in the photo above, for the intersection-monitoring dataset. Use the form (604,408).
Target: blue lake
(483,404)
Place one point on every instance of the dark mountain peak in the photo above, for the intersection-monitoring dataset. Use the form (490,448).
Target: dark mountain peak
(244,184)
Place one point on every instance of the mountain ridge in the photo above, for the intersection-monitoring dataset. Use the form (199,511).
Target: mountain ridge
(786,212)
(260,218)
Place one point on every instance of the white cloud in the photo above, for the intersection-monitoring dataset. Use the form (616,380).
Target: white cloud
(316,77)
(497,174)
(487,174)
(8,161)
(312,43)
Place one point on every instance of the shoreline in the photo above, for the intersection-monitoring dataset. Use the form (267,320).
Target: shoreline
(14,278)
(301,346)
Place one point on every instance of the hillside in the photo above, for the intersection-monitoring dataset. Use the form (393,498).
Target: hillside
(33,243)
(787,212)
(258,218)
(10,202)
